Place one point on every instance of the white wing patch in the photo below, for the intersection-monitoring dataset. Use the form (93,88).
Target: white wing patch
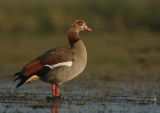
(68,64)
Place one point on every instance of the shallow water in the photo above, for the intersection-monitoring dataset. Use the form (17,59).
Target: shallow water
(81,98)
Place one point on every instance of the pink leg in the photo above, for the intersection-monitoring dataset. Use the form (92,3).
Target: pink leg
(53,89)
(57,90)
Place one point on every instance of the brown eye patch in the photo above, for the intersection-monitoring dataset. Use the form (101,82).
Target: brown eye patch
(80,23)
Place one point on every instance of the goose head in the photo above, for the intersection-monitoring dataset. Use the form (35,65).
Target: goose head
(79,25)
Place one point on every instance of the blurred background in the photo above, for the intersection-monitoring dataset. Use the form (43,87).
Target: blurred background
(124,44)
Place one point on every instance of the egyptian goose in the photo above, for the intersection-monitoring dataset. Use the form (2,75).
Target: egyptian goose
(58,65)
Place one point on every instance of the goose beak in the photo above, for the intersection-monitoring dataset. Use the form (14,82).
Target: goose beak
(87,29)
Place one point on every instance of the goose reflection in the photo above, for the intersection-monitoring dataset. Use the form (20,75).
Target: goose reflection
(55,103)
(55,109)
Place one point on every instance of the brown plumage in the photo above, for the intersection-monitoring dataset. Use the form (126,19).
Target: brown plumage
(58,65)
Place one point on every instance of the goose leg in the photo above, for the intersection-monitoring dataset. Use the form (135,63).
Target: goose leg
(55,94)
(55,90)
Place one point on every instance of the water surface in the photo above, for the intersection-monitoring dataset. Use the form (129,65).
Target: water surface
(81,98)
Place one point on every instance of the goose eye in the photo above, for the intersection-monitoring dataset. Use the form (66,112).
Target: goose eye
(80,23)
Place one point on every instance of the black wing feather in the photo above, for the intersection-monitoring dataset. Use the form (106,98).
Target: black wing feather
(22,78)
